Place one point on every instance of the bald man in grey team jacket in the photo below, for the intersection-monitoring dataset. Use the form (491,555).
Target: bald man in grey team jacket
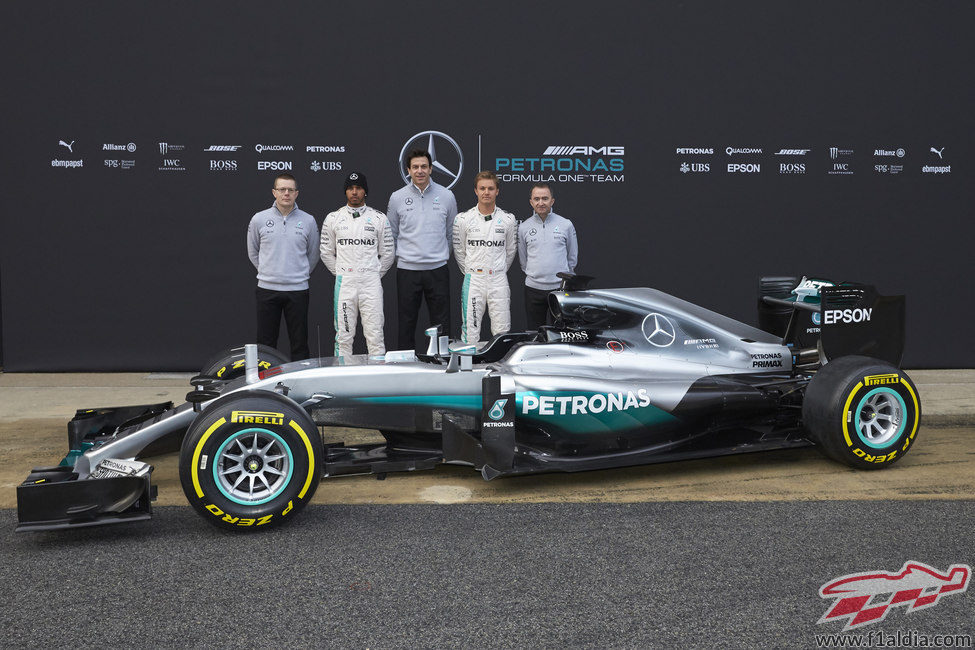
(547,245)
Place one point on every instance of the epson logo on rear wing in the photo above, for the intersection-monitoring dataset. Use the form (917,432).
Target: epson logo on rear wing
(859,315)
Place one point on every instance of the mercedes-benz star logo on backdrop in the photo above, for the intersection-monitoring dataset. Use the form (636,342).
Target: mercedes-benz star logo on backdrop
(659,330)
(444,150)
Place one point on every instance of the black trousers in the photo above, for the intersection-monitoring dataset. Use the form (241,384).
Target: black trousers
(411,288)
(536,307)
(294,305)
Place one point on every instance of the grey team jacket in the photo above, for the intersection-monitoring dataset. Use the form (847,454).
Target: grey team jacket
(422,224)
(546,248)
(283,249)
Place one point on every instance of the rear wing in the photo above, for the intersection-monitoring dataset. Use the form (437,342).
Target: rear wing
(849,318)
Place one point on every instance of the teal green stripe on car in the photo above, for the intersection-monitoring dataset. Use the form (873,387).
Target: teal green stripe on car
(609,418)
(464,293)
(335,311)
(460,402)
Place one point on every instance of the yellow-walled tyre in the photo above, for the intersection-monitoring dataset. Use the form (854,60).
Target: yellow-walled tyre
(229,364)
(862,412)
(251,460)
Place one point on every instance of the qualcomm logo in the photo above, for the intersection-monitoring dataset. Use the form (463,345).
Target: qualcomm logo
(658,330)
(449,159)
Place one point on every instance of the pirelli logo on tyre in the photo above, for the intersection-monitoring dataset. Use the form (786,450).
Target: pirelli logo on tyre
(237,365)
(256,417)
(880,380)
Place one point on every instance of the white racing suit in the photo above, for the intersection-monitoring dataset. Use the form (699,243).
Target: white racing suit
(358,250)
(484,248)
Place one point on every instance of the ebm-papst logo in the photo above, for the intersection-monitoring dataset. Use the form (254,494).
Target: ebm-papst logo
(866,598)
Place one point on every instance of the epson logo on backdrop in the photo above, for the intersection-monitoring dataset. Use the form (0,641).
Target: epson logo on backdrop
(259,148)
(325,149)
(275,165)
(750,168)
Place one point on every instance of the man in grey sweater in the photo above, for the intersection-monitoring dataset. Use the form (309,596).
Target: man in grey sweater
(421,216)
(547,245)
(282,243)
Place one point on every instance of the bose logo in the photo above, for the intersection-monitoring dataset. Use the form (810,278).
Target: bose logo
(859,315)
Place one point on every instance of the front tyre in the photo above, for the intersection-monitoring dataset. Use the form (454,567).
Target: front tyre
(250,460)
(229,364)
(862,412)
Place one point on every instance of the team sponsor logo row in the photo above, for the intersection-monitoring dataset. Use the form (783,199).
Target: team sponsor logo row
(798,161)
(220,158)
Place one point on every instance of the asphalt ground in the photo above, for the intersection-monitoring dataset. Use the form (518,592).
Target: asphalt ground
(725,552)
(546,575)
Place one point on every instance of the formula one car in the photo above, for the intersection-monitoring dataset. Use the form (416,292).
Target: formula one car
(624,377)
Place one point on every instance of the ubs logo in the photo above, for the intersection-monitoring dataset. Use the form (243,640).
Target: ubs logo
(448,161)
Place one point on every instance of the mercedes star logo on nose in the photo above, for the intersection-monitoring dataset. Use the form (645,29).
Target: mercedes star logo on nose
(446,163)
(659,330)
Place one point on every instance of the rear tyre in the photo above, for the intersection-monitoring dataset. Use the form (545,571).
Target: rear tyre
(251,460)
(229,364)
(862,412)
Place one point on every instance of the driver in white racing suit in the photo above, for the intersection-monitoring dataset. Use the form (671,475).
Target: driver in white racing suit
(357,247)
(485,243)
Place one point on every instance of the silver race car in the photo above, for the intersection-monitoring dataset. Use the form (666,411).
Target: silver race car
(623,377)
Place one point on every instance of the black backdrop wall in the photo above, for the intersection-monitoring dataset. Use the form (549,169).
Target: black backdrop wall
(136,260)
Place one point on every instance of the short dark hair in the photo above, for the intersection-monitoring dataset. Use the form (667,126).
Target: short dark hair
(541,186)
(418,153)
(287,177)
(487,175)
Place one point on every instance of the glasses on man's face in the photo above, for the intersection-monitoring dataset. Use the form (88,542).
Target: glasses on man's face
(285,190)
